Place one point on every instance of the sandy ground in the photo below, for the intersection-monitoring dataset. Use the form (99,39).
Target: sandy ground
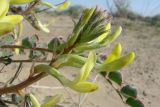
(143,72)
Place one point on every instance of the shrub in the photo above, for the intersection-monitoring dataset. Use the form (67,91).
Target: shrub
(91,32)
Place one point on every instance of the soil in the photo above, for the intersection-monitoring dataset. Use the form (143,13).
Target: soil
(144,72)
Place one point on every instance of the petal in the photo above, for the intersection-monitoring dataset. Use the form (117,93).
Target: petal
(86,69)
(5,28)
(118,63)
(115,54)
(114,35)
(43,27)
(12,2)
(4,6)
(35,102)
(64,5)
(84,87)
(13,19)
(52,101)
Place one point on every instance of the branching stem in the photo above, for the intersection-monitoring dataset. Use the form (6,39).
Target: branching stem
(22,47)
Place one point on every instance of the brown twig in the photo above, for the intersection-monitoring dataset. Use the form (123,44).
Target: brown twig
(34,78)
(22,47)
(2,68)
(29,61)
(17,73)
(30,80)
(24,84)
(117,91)
(29,9)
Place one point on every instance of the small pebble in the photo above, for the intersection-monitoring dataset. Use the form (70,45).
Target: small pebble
(144,93)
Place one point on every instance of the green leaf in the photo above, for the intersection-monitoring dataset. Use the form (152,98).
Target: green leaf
(129,91)
(7,61)
(54,44)
(116,77)
(16,98)
(8,39)
(52,101)
(26,43)
(34,39)
(134,102)
(75,105)
(6,53)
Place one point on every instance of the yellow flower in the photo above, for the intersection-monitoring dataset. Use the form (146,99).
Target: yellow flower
(12,2)
(7,23)
(115,61)
(80,82)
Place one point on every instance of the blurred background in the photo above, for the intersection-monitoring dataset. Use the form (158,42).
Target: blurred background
(145,10)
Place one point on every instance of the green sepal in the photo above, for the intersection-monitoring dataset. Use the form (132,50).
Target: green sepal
(69,60)
(80,25)
(104,35)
